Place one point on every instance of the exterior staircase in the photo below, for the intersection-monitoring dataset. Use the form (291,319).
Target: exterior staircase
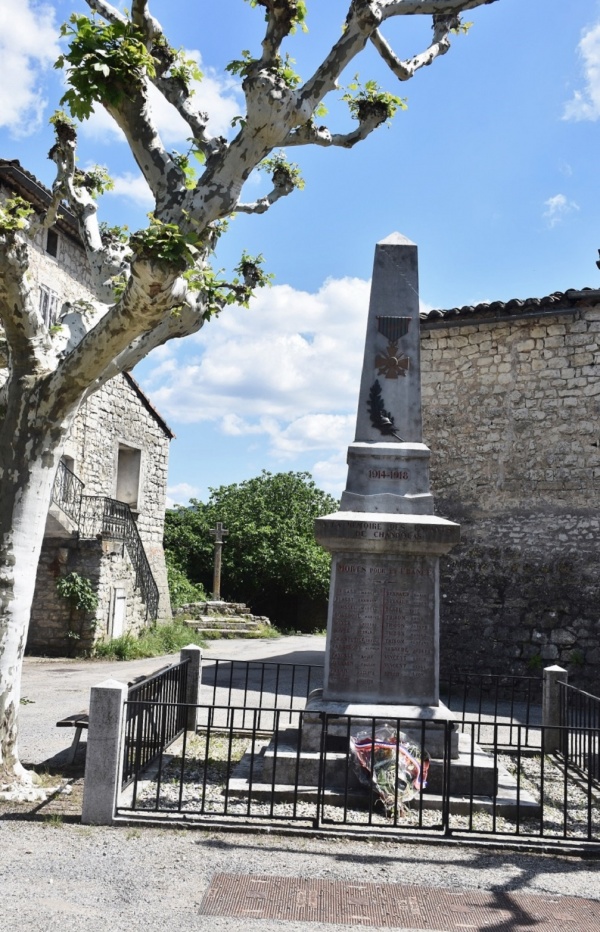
(219,619)
(92,516)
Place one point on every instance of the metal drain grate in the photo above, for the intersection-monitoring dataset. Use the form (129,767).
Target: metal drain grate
(391,906)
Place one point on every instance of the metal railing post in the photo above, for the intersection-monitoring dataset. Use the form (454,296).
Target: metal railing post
(551,707)
(193,654)
(104,756)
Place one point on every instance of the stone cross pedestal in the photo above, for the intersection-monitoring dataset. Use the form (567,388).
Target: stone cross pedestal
(383,623)
(218,532)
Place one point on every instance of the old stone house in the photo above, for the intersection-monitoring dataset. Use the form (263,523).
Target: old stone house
(107,515)
(511,398)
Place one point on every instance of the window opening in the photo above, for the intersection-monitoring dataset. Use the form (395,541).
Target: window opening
(52,243)
(128,475)
(48,305)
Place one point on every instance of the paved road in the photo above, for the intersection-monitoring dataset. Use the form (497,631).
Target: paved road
(53,689)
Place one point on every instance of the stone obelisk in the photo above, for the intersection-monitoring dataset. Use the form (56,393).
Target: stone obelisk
(383,622)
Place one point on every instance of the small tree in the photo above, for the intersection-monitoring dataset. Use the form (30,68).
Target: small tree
(270,558)
(156,284)
(79,592)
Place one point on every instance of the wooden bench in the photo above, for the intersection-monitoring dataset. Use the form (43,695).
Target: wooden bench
(79,722)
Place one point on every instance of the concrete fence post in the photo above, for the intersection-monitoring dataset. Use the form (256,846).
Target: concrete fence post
(104,755)
(193,653)
(551,706)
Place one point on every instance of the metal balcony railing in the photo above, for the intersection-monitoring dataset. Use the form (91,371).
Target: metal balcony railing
(67,492)
(107,517)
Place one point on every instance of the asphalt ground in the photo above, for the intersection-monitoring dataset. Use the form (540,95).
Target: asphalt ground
(56,874)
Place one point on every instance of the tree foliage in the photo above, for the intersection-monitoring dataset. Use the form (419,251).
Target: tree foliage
(270,554)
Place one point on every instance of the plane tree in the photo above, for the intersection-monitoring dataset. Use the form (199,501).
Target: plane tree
(158,283)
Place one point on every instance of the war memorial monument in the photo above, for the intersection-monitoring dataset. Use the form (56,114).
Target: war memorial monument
(383,622)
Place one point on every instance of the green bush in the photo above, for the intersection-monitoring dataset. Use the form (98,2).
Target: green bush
(270,558)
(151,642)
(181,590)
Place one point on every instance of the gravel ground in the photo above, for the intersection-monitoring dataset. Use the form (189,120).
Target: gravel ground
(57,874)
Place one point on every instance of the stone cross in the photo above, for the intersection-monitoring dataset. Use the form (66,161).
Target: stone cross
(218,532)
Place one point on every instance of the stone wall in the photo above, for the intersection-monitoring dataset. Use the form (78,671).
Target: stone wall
(66,274)
(118,415)
(511,413)
(57,631)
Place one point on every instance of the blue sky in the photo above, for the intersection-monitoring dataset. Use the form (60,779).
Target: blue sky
(492,170)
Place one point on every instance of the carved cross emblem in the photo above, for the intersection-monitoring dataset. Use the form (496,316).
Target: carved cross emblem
(392,364)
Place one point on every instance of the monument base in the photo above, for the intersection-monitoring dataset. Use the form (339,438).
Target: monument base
(423,725)
(473,772)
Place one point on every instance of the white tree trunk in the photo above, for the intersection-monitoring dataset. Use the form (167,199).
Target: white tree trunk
(28,462)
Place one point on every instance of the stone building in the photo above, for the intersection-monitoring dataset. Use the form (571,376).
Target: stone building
(107,515)
(511,398)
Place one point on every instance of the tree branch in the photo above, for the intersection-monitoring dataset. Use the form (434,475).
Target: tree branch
(404,70)
(360,23)
(182,322)
(309,134)
(133,115)
(281,189)
(146,23)
(391,8)
(25,331)
(151,293)
(280,21)
(107,11)
(105,262)
(173,89)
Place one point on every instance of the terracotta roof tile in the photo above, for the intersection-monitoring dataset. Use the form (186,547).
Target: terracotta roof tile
(560,301)
(13,174)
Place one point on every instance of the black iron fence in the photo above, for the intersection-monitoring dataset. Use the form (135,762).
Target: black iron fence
(485,699)
(481,700)
(155,716)
(113,519)
(580,716)
(67,492)
(259,686)
(348,774)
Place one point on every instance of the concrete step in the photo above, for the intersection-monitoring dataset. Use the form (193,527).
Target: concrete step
(474,781)
(227,632)
(209,621)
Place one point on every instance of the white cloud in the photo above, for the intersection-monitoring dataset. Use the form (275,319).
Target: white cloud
(557,208)
(180,494)
(282,376)
(585,104)
(313,432)
(28,48)
(330,474)
(288,368)
(133,188)
(218,96)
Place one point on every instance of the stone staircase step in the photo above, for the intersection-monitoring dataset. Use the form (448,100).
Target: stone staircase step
(210,622)
(223,632)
